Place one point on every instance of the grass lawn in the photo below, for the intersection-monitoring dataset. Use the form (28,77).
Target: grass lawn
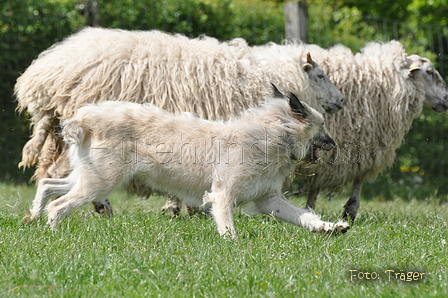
(142,253)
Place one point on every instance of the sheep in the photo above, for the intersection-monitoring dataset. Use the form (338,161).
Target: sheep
(214,80)
(385,90)
(239,168)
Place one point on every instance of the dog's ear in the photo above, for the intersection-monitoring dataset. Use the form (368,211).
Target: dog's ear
(296,106)
(277,93)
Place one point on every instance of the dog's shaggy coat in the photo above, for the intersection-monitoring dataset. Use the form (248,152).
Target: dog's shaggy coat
(222,164)
(385,90)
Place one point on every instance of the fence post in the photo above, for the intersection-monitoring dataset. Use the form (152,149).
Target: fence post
(92,12)
(296,15)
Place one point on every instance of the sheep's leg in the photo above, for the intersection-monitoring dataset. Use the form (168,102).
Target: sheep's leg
(103,206)
(172,205)
(312,196)
(47,188)
(222,210)
(33,147)
(279,207)
(192,210)
(59,165)
(352,205)
(287,184)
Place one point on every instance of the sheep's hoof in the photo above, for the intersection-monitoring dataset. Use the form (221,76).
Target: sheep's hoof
(173,211)
(351,209)
(172,207)
(349,215)
(103,207)
(193,210)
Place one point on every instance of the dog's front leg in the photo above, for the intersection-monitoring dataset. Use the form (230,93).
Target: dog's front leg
(277,205)
(222,210)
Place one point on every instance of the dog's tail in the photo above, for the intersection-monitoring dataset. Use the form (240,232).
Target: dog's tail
(75,132)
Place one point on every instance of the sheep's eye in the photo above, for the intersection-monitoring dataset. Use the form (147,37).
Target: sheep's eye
(430,71)
(320,76)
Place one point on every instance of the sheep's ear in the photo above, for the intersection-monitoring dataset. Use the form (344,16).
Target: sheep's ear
(307,67)
(308,64)
(414,63)
(308,58)
(296,106)
(414,67)
(277,93)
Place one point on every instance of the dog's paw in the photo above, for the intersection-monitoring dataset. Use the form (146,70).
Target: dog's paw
(335,228)
(53,223)
(229,235)
(28,219)
(341,227)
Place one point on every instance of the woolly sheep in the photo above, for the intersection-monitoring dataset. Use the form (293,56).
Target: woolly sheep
(385,90)
(211,79)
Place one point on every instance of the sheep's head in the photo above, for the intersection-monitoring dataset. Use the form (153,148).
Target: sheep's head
(329,97)
(436,93)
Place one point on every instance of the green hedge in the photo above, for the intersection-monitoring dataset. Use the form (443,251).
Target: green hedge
(223,19)
(27,28)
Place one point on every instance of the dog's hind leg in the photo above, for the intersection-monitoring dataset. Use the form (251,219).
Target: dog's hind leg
(47,188)
(85,191)
(278,206)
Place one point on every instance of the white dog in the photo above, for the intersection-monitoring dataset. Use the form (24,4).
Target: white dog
(202,162)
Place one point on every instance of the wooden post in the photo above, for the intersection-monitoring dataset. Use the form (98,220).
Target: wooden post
(92,12)
(296,14)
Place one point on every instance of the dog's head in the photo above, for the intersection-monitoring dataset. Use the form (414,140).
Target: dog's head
(315,134)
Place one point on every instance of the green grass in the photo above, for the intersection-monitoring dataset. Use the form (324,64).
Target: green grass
(143,253)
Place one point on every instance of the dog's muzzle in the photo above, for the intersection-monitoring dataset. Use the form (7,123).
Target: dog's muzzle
(326,143)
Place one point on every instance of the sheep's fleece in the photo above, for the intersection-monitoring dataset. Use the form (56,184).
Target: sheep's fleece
(209,78)
(385,90)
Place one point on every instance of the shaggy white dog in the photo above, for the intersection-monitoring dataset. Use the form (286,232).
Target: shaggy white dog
(202,162)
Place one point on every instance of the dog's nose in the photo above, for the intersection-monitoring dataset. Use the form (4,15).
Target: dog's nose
(328,144)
